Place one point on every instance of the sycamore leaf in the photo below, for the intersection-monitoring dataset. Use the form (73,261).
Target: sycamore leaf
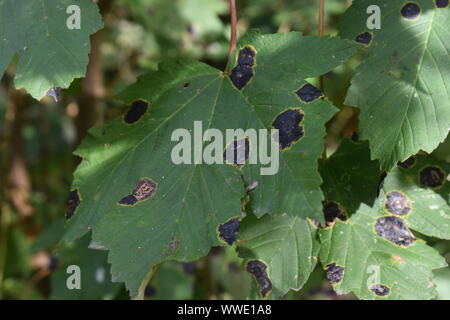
(279,251)
(402,88)
(359,260)
(49,53)
(373,252)
(418,189)
(146,209)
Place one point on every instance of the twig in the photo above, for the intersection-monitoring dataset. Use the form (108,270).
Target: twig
(321,30)
(233,30)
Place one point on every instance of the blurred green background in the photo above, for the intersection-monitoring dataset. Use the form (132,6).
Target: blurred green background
(37,139)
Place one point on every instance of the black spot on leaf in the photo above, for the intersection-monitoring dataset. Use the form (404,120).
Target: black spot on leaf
(432,177)
(241,75)
(410,10)
(395,230)
(246,57)
(229,230)
(186,85)
(333,211)
(243,72)
(136,111)
(365,38)
(334,273)
(397,203)
(237,152)
(72,203)
(380,290)
(441,3)
(259,270)
(144,189)
(308,93)
(290,130)
(128,200)
(408,163)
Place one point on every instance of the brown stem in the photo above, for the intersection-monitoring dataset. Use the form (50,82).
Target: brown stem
(321,31)
(233,14)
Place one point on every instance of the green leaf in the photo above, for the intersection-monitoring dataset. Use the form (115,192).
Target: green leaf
(95,278)
(402,86)
(358,260)
(372,247)
(285,247)
(188,202)
(419,190)
(350,177)
(50,55)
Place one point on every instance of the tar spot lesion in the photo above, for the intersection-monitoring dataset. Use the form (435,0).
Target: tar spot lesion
(259,270)
(441,4)
(397,203)
(72,203)
(432,177)
(243,72)
(228,231)
(289,127)
(364,38)
(144,189)
(237,152)
(380,290)
(332,211)
(395,230)
(410,10)
(308,93)
(186,85)
(334,273)
(381,182)
(137,110)
(408,163)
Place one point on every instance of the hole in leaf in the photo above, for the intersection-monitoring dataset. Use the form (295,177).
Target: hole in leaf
(334,273)
(395,230)
(136,111)
(397,203)
(259,270)
(144,189)
(229,230)
(72,203)
(410,10)
(288,124)
(441,3)
(432,177)
(308,93)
